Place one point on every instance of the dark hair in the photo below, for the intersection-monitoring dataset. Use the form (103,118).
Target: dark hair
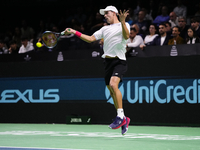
(156,27)
(177,28)
(134,29)
(194,34)
(12,42)
(23,38)
(195,19)
(168,23)
(162,24)
(153,24)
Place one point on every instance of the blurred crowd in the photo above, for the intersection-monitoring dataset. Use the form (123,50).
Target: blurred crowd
(157,22)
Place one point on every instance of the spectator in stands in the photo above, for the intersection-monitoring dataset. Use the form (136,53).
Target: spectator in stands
(98,23)
(164,17)
(27,31)
(152,9)
(89,22)
(168,28)
(192,37)
(80,16)
(55,29)
(159,6)
(136,27)
(147,17)
(143,24)
(160,40)
(180,10)
(79,19)
(163,38)
(134,39)
(49,23)
(183,27)
(198,10)
(41,29)
(3,48)
(176,38)
(173,19)
(129,18)
(138,8)
(26,45)
(152,34)
(14,49)
(8,35)
(195,25)
(17,36)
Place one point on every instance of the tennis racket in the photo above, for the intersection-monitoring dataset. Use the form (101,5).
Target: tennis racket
(50,39)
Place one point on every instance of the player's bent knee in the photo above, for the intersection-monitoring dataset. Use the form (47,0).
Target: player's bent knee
(114,82)
(113,86)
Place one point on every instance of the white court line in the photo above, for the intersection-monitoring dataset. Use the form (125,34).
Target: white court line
(34,148)
(103,134)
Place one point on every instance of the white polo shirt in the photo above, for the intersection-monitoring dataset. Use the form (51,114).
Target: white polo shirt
(28,48)
(137,41)
(114,42)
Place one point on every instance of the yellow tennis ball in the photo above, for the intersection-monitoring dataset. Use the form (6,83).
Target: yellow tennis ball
(38,44)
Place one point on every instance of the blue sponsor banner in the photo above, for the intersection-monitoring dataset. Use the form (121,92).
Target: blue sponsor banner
(162,91)
(50,90)
(134,90)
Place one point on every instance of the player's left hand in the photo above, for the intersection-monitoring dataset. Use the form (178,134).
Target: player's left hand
(123,15)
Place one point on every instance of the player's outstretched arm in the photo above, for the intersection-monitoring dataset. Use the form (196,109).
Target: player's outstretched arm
(84,37)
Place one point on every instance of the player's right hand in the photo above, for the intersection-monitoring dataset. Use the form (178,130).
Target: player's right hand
(70,31)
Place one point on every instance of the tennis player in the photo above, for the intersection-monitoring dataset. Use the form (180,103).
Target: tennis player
(115,36)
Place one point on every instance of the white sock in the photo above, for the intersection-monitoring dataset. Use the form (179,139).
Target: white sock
(120,113)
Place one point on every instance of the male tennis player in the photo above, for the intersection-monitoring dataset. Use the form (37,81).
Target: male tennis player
(115,36)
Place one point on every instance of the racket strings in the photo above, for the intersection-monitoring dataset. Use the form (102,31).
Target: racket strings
(49,39)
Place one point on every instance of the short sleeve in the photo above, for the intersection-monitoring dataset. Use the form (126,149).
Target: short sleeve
(98,34)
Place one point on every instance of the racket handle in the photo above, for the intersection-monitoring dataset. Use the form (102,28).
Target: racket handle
(63,33)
